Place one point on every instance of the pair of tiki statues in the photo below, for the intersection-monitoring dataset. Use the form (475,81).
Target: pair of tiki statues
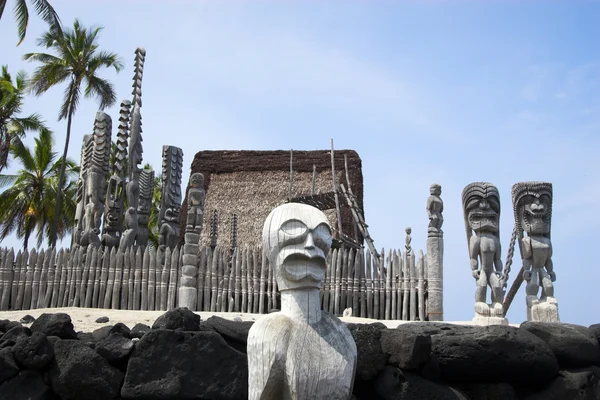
(532,208)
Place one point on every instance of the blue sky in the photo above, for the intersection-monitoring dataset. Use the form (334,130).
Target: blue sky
(425,91)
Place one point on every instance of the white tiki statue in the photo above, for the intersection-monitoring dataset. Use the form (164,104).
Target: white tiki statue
(300,352)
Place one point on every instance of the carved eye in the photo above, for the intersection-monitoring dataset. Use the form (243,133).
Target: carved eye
(293,227)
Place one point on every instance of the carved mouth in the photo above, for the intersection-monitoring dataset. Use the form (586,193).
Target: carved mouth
(301,266)
(482,219)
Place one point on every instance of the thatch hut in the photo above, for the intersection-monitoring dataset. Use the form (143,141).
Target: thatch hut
(250,184)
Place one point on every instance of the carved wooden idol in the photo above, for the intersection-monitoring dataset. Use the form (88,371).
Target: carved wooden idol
(532,204)
(481,206)
(300,352)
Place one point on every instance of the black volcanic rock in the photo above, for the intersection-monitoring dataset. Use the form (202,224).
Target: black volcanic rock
(33,352)
(170,364)
(178,319)
(574,346)
(370,357)
(58,324)
(79,373)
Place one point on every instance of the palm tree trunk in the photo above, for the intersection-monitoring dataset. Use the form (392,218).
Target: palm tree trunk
(61,175)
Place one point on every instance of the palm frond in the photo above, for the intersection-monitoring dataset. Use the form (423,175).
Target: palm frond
(22,17)
(102,89)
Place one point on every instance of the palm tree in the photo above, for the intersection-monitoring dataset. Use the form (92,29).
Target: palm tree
(77,61)
(11,104)
(42,7)
(28,205)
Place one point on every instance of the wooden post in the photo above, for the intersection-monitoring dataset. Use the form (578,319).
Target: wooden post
(152,279)
(263,272)
(326,284)
(43,284)
(137,279)
(337,262)
(356,285)
(75,255)
(394,274)
(145,273)
(131,279)
(421,285)
(363,285)
(173,277)
(208,280)
(14,290)
(343,254)
(120,257)
(222,272)
(125,280)
(33,256)
(255,281)
(35,287)
(231,284)
(164,280)
(110,282)
(90,281)
(22,279)
(291,173)
(214,280)
(388,283)
(97,273)
(405,284)
(370,286)
(99,300)
(269,283)
(413,288)
(200,280)
(7,277)
(335,193)
(244,281)
(314,178)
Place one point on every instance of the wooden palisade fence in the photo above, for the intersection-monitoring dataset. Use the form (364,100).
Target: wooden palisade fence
(241,280)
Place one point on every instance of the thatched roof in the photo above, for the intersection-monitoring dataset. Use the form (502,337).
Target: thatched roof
(252,183)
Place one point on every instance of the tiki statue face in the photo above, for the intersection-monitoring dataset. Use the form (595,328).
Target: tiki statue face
(297,239)
(533,206)
(197,180)
(435,190)
(481,205)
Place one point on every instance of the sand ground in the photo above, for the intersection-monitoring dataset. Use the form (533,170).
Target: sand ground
(84,319)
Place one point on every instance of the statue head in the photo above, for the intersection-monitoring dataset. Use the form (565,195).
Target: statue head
(435,189)
(197,180)
(297,239)
(481,207)
(532,203)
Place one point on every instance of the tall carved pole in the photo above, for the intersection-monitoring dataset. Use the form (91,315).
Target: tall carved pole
(481,207)
(86,154)
(115,194)
(97,171)
(532,205)
(435,255)
(135,153)
(170,202)
(188,293)
(146,189)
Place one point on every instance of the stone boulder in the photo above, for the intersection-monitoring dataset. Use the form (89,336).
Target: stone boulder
(115,349)
(33,352)
(10,338)
(139,330)
(121,329)
(169,364)
(6,325)
(394,384)
(79,373)
(179,319)
(27,385)
(407,349)
(370,358)
(576,384)
(58,324)
(101,333)
(235,333)
(595,329)
(574,346)
(8,366)
(486,354)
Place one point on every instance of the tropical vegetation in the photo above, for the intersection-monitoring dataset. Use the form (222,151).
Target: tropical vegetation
(12,126)
(43,8)
(76,62)
(28,205)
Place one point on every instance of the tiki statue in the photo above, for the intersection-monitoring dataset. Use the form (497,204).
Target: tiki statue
(435,207)
(170,202)
(196,197)
(532,204)
(481,207)
(284,347)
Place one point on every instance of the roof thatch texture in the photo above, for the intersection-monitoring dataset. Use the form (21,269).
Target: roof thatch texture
(252,183)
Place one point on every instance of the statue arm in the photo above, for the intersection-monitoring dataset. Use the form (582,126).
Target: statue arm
(497,259)
(474,253)
(550,265)
(526,255)
(267,347)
